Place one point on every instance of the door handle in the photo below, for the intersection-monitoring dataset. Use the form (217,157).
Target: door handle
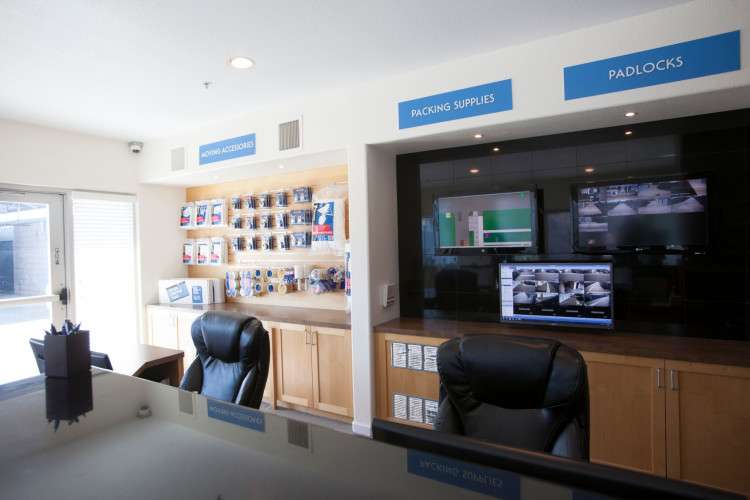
(659,383)
(63,294)
(673,380)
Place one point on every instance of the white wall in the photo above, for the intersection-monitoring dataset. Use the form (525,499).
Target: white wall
(42,157)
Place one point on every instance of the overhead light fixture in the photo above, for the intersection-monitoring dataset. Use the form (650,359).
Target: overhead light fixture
(478,136)
(495,149)
(589,170)
(628,132)
(241,62)
(630,114)
(281,165)
(473,170)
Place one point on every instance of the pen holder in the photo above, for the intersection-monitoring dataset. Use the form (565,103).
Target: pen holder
(68,398)
(67,355)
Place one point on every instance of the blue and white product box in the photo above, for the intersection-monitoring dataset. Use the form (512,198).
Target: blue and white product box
(302,195)
(218,213)
(202,218)
(191,291)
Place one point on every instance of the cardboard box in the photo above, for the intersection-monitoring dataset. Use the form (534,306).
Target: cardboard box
(191,291)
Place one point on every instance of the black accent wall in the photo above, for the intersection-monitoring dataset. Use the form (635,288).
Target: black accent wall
(706,295)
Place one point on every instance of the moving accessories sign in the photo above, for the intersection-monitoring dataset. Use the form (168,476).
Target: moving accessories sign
(682,61)
(227,149)
(456,104)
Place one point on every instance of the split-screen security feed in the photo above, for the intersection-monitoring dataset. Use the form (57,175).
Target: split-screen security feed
(668,214)
(557,293)
(501,220)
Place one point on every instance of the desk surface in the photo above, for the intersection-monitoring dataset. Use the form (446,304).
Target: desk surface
(134,358)
(180,451)
(698,350)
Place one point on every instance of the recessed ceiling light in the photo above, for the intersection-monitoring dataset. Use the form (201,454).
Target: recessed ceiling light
(478,136)
(628,132)
(281,165)
(589,170)
(495,149)
(241,62)
(630,114)
(473,170)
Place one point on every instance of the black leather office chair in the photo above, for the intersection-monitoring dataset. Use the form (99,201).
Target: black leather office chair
(98,359)
(233,358)
(522,392)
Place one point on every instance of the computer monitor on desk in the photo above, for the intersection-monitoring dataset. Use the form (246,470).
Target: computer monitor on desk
(579,475)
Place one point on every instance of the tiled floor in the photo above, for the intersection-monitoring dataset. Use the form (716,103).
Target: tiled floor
(330,423)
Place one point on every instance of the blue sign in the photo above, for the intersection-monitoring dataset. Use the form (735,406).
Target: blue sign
(227,149)
(237,415)
(486,480)
(672,63)
(473,101)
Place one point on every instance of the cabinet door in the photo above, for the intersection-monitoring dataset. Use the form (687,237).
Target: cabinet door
(163,327)
(293,364)
(627,411)
(185,343)
(708,417)
(332,370)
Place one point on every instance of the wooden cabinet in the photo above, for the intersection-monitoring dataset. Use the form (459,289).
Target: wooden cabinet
(708,418)
(314,368)
(332,370)
(293,364)
(627,411)
(162,326)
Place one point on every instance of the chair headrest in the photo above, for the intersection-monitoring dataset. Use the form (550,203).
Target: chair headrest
(510,372)
(219,334)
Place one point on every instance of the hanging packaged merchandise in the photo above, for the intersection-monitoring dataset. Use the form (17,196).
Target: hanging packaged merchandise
(251,243)
(348,271)
(266,221)
(218,213)
(301,217)
(188,252)
(302,195)
(236,202)
(218,251)
(281,199)
(237,221)
(258,288)
(257,273)
(328,225)
(271,287)
(231,283)
(301,240)
(238,244)
(186,215)
(264,200)
(248,201)
(246,284)
(283,240)
(282,220)
(201,213)
(267,244)
(202,251)
(251,222)
(270,274)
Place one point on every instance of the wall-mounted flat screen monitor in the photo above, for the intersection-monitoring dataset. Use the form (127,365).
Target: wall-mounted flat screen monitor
(669,214)
(497,222)
(557,293)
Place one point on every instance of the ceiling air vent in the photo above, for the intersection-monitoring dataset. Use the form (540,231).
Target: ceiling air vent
(178,159)
(289,135)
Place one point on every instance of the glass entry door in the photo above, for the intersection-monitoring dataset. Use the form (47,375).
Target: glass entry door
(33,290)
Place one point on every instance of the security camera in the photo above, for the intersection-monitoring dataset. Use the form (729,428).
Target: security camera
(135,146)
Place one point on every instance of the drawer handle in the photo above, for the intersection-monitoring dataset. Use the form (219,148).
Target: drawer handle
(659,383)
(673,381)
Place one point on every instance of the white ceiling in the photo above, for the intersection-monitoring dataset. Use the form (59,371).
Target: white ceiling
(134,69)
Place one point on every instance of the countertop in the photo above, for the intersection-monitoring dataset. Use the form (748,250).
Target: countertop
(697,350)
(299,315)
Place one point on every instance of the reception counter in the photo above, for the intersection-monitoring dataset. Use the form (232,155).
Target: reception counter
(671,406)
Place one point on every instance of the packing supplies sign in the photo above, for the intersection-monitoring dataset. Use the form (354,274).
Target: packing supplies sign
(323,221)
(227,149)
(672,63)
(456,104)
